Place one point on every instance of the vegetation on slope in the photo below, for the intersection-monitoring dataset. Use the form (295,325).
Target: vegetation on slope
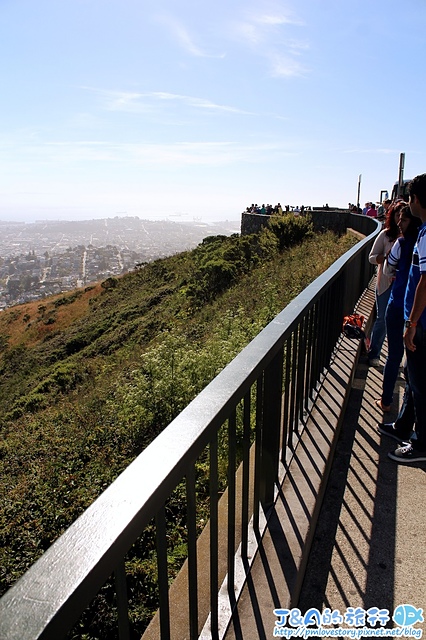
(90,378)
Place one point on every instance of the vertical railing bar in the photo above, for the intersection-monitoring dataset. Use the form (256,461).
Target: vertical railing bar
(293,416)
(323,332)
(336,297)
(192,552)
(286,391)
(246,475)
(232,451)
(214,539)
(272,411)
(301,363)
(163,580)
(308,359)
(305,403)
(349,292)
(341,305)
(338,293)
(306,363)
(357,290)
(319,339)
(257,452)
(122,601)
(309,356)
(331,324)
(314,348)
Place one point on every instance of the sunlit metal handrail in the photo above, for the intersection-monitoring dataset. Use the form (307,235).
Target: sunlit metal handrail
(286,360)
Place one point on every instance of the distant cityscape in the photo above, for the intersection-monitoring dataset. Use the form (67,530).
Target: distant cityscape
(49,257)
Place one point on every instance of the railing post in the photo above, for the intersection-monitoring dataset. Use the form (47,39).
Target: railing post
(192,552)
(122,603)
(271,425)
(163,579)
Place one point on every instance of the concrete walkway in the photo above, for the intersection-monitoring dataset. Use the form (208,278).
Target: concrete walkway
(369,548)
(370,544)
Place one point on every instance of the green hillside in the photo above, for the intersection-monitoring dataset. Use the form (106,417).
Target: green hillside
(88,379)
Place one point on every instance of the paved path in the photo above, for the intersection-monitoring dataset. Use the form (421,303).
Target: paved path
(370,544)
(369,548)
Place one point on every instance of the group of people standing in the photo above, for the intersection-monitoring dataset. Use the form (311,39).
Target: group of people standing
(371,210)
(269,210)
(399,252)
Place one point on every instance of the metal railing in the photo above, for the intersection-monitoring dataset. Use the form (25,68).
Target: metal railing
(264,396)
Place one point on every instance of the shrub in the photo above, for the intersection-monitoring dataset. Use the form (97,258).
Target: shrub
(109,283)
(290,229)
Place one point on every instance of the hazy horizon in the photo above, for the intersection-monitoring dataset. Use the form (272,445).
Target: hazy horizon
(173,217)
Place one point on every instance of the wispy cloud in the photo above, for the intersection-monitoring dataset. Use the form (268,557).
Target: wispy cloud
(271,36)
(285,66)
(278,19)
(269,33)
(150,101)
(191,101)
(183,37)
(180,154)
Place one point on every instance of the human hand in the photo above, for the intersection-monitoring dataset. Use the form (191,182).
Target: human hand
(409,334)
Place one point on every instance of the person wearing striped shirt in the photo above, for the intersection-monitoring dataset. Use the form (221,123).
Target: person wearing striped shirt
(415,329)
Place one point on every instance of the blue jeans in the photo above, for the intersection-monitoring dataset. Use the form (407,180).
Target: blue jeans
(379,329)
(416,363)
(394,320)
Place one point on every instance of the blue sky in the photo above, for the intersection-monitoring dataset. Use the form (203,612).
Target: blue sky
(199,108)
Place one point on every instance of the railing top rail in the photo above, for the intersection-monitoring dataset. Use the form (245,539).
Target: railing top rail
(115,519)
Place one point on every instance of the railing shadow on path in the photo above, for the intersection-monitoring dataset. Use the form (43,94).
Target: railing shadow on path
(276,578)
(366,550)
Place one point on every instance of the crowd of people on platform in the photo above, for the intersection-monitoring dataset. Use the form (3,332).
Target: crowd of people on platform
(399,252)
(371,209)
(269,209)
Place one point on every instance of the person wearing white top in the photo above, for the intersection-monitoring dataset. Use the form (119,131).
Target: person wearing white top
(380,249)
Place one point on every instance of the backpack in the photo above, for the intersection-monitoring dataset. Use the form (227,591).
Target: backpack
(352,326)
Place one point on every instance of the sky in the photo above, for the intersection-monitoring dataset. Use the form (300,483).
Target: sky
(198,108)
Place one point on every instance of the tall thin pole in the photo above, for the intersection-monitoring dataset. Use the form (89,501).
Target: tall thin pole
(401,173)
(359,190)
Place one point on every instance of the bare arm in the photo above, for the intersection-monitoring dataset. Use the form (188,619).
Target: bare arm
(377,250)
(419,305)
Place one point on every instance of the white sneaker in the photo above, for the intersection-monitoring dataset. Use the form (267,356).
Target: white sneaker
(374,362)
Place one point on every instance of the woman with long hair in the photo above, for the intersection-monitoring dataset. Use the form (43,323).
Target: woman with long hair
(397,267)
(381,248)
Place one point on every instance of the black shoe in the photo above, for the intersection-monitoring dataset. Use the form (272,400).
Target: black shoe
(388,429)
(407,454)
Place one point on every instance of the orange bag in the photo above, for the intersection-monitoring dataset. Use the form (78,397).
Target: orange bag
(352,326)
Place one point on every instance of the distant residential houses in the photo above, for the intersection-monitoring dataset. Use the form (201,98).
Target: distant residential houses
(28,277)
(37,259)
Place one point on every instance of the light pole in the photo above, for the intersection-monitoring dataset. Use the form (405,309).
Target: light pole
(401,173)
(359,190)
